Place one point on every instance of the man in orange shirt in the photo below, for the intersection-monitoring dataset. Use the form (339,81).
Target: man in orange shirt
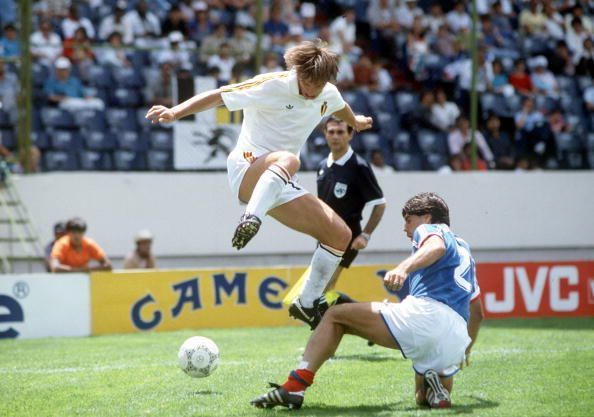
(72,253)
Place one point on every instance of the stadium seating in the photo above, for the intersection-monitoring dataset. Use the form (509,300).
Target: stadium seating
(53,117)
(159,160)
(124,160)
(95,161)
(98,140)
(131,140)
(407,161)
(59,161)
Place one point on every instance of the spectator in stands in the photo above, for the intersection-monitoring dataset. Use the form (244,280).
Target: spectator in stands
(343,34)
(66,90)
(532,20)
(271,63)
(59,231)
(142,256)
(560,60)
(385,82)
(499,81)
(116,54)
(177,54)
(79,50)
(378,162)
(446,44)
(9,43)
(51,8)
(436,18)
(462,135)
(520,79)
(463,70)
(443,112)
(295,35)
(466,159)
(113,22)
(224,61)
(577,12)
(406,13)
(543,80)
(589,98)
(419,118)
(557,121)
(243,44)
(576,35)
(159,90)
(308,20)
(175,22)
(74,251)
(533,136)
(365,74)
(458,20)
(500,143)
(46,46)
(140,25)
(501,21)
(211,44)
(9,84)
(554,25)
(417,49)
(200,26)
(73,21)
(492,38)
(276,28)
(585,60)
(382,16)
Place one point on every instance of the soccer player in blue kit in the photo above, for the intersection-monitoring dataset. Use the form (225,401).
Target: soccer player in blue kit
(431,326)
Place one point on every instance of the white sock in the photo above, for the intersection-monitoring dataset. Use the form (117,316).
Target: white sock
(267,190)
(324,262)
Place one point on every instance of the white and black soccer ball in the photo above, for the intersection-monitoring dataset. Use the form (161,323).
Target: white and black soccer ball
(198,357)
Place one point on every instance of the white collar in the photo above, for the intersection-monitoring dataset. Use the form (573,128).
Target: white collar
(293,84)
(342,160)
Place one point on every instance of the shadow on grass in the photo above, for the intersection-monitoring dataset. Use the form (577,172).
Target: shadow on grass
(205,392)
(473,404)
(369,357)
(573,323)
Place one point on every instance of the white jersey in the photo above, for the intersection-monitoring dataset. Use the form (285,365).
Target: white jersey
(275,116)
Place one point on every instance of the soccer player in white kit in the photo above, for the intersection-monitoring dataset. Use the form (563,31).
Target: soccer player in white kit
(280,111)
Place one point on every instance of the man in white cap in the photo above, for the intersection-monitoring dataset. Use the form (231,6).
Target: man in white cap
(141,257)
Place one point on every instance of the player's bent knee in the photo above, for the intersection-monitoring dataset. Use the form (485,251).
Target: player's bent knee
(288,161)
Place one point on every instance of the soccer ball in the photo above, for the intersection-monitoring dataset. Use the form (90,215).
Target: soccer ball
(198,357)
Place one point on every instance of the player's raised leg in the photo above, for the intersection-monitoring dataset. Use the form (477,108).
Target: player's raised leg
(361,319)
(310,215)
(262,183)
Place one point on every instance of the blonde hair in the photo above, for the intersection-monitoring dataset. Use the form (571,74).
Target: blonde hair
(313,61)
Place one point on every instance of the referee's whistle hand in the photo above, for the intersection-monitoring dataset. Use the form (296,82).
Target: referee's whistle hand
(359,243)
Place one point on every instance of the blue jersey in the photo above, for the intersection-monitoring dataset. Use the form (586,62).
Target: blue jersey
(451,280)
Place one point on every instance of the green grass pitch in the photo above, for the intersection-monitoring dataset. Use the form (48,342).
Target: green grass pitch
(519,368)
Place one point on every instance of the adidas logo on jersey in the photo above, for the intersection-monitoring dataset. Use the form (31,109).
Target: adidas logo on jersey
(289,106)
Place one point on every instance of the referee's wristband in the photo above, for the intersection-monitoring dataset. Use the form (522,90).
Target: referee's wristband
(365,236)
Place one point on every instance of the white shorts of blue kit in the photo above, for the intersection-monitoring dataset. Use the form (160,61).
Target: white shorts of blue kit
(429,333)
(237,166)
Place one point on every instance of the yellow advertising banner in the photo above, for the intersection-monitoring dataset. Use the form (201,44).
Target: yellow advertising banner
(131,301)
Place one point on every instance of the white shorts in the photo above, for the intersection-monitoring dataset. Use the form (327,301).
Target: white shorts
(428,332)
(237,165)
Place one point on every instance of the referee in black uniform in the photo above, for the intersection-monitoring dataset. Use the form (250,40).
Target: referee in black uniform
(347,184)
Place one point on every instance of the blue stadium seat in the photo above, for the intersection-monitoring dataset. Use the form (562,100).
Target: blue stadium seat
(406,102)
(584,82)
(91,119)
(514,103)
(567,141)
(40,139)
(407,162)
(434,161)
(131,141)
(57,118)
(590,158)
(8,138)
(6,121)
(65,140)
(161,139)
(567,84)
(98,140)
(121,119)
(126,97)
(60,161)
(590,142)
(40,74)
(160,160)
(403,142)
(100,77)
(381,102)
(95,161)
(370,141)
(128,77)
(143,122)
(129,161)
(388,124)
(432,142)
(358,101)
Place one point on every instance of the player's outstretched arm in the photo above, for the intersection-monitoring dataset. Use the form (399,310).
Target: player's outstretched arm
(357,122)
(432,250)
(196,104)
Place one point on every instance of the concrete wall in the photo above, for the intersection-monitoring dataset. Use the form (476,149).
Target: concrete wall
(193,215)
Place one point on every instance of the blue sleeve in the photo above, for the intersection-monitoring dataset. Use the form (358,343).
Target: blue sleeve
(48,87)
(78,87)
(424,231)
